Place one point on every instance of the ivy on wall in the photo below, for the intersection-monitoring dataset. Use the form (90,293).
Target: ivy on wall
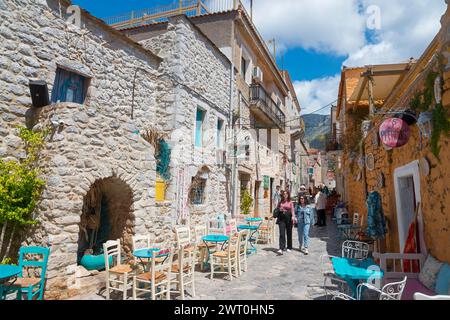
(20,189)
(425,100)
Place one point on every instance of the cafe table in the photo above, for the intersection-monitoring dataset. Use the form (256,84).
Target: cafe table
(354,271)
(252,239)
(147,254)
(7,272)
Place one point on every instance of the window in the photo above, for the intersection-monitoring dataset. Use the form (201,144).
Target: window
(69,87)
(219,139)
(197,194)
(200,118)
(243,67)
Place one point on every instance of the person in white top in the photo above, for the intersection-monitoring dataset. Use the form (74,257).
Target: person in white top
(321,204)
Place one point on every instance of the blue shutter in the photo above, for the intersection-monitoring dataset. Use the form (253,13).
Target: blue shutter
(199,128)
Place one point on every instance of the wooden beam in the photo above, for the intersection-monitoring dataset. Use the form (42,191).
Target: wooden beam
(383,73)
(361,91)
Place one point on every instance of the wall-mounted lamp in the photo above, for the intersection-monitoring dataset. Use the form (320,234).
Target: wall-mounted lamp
(425,123)
(39,93)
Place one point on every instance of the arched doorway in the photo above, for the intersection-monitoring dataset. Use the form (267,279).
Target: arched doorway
(106,215)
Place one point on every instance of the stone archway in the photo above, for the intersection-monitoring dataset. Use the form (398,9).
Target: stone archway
(106,215)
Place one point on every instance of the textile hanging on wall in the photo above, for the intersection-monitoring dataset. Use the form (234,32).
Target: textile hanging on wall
(376,222)
(182,186)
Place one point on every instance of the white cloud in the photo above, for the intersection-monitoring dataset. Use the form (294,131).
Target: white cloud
(338,27)
(315,94)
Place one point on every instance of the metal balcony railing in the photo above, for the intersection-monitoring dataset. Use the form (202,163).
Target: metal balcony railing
(260,98)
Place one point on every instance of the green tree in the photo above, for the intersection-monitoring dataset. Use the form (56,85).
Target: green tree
(20,188)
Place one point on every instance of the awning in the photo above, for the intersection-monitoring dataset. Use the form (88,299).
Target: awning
(385,79)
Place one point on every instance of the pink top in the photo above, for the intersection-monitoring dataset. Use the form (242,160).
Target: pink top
(287,206)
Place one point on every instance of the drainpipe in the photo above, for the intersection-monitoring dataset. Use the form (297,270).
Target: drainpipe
(233,133)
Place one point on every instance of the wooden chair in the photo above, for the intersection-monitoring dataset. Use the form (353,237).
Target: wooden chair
(183,238)
(355,250)
(243,250)
(266,231)
(117,273)
(213,227)
(229,259)
(30,286)
(184,271)
(157,281)
(202,252)
(231,227)
(140,242)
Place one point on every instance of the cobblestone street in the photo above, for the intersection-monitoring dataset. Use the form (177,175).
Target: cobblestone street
(292,276)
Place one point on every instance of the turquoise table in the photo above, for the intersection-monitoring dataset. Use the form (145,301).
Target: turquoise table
(146,253)
(251,239)
(216,239)
(250,220)
(353,271)
(6,273)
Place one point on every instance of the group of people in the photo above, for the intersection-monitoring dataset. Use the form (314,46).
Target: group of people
(301,214)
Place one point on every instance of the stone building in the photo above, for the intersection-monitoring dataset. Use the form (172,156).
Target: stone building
(106,92)
(259,99)
(411,177)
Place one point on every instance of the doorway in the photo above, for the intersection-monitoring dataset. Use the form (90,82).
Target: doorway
(407,196)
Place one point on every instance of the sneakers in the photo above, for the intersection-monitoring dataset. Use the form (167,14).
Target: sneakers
(305,251)
(302,249)
(280,252)
(288,250)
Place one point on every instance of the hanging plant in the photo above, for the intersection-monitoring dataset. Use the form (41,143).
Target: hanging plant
(441,125)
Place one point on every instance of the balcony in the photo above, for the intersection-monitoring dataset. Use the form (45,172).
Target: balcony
(270,116)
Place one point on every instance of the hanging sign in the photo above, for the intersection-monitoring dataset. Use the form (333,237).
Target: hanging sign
(394,133)
(266,182)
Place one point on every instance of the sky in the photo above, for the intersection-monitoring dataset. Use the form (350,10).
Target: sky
(314,39)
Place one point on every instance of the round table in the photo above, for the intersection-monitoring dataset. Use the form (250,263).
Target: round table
(215,238)
(251,239)
(7,272)
(146,253)
(250,220)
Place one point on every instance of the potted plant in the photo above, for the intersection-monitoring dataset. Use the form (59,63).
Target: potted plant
(246,202)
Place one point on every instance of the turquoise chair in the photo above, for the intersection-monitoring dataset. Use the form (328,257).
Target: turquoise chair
(31,286)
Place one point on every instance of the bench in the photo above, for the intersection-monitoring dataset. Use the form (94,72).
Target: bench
(393,266)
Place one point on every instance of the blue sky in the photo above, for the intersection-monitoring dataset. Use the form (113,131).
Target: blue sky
(315,38)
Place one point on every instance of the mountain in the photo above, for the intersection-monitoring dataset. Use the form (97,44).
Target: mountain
(317,129)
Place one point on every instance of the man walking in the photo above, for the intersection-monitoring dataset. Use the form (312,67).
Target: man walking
(321,204)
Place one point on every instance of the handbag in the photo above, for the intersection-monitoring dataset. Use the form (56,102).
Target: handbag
(276,212)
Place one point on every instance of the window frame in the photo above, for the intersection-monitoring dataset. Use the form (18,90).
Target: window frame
(61,75)
(202,128)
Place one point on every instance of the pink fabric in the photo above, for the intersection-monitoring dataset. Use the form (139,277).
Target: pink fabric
(287,206)
(228,230)
(413,286)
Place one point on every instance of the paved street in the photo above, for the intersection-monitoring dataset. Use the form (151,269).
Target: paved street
(292,276)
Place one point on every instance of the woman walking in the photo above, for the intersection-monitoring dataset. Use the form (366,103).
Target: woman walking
(285,221)
(304,215)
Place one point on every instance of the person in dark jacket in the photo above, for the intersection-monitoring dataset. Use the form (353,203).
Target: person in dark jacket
(285,221)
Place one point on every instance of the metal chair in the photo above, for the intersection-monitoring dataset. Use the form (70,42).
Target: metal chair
(117,273)
(31,286)
(355,250)
(329,274)
(391,291)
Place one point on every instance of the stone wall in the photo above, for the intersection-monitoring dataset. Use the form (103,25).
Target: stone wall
(201,76)
(97,140)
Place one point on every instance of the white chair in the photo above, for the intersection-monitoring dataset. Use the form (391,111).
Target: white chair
(158,280)
(226,259)
(183,236)
(116,273)
(421,296)
(214,227)
(184,271)
(355,250)
(391,291)
(329,274)
(243,250)
(202,252)
(232,227)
